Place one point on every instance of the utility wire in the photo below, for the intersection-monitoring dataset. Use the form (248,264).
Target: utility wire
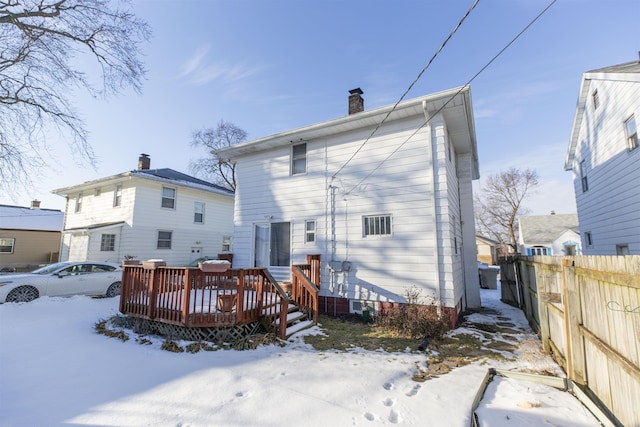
(409,88)
(452,96)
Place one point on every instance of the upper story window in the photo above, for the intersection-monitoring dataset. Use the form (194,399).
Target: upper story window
(108,243)
(298,159)
(376,225)
(79,202)
(168,197)
(164,239)
(117,195)
(198,213)
(583,176)
(6,245)
(596,99)
(632,132)
(309,231)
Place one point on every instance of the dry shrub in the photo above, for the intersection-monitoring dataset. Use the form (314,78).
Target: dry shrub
(412,320)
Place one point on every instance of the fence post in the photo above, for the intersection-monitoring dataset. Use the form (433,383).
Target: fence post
(573,321)
(543,312)
(186,300)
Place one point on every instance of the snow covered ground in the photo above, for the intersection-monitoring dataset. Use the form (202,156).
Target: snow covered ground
(56,370)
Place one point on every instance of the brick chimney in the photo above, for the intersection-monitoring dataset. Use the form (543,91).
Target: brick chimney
(35,204)
(356,103)
(144,162)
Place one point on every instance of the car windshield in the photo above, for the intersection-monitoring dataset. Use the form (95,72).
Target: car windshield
(48,269)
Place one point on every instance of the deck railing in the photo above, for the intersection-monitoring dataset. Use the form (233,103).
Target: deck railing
(194,298)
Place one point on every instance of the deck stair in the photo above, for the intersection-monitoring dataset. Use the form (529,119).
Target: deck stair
(296,320)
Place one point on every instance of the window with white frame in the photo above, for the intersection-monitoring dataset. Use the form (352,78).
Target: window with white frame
(7,245)
(164,239)
(309,231)
(376,225)
(198,212)
(583,176)
(168,197)
(79,202)
(117,195)
(298,159)
(108,243)
(226,243)
(632,133)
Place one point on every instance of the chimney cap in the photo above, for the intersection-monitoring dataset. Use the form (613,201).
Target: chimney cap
(356,91)
(144,155)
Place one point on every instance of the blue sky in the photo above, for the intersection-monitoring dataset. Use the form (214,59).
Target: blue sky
(273,65)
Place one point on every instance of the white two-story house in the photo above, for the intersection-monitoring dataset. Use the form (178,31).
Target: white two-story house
(148,214)
(604,157)
(384,196)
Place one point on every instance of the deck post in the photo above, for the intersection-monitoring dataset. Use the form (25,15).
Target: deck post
(153,292)
(186,298)
(239,297)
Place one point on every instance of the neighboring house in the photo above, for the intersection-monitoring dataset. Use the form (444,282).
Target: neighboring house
(555,234)
(487,250)
(389,209)
(605,159)
(146,213)
(29,237)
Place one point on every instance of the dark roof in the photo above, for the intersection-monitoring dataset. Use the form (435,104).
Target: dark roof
(174,175)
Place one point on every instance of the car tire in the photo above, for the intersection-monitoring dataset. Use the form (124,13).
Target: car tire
(114,289)
(23,294)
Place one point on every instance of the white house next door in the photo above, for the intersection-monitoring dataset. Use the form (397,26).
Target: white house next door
(272,248)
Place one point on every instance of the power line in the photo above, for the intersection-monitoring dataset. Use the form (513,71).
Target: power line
(410,87)
(451,98)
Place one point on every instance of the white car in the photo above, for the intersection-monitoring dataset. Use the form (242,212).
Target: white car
(63,279)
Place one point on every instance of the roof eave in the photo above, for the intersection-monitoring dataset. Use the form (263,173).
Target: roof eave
(359,120)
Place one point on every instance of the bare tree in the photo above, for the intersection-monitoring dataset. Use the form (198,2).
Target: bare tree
(499,204)
(213,167)
(47,50)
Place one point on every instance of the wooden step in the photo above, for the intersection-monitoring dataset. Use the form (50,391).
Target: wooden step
(292,316)
(297,327)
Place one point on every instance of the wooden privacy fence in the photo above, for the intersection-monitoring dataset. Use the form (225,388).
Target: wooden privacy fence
(587,312)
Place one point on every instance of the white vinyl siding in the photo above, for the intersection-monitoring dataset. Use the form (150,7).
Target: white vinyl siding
(402,187)
(608,211)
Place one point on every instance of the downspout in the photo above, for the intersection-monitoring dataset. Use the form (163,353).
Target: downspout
(431,155)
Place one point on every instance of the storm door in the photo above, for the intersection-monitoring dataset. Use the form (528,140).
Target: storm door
(272,247)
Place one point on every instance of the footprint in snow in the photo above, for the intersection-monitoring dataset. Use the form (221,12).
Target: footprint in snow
(388,402)
(369,416)
(394,417)
(388,386)
(414,390)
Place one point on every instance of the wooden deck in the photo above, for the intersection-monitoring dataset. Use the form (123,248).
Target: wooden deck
(194,298)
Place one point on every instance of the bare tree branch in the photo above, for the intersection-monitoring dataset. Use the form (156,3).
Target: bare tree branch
(221,171)
(40,42)
(500,203)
